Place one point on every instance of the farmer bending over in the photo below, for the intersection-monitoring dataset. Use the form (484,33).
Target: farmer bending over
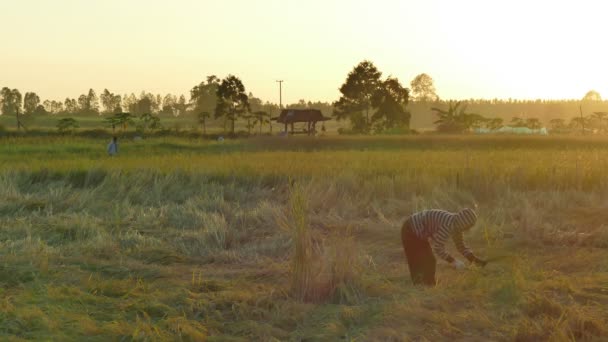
(426,232)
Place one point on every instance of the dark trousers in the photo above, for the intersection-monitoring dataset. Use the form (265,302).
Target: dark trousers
(420,258)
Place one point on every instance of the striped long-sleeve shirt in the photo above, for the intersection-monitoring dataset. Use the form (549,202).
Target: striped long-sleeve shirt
(438,226)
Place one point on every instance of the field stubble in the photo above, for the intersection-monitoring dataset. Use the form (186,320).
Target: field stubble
(299,239)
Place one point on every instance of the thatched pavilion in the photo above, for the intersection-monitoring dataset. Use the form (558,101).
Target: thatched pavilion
(308,116)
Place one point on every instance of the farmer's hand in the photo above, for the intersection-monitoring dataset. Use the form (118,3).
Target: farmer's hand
(459,265)
(479,262)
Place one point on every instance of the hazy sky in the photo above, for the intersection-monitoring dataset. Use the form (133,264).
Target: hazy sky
(472,48)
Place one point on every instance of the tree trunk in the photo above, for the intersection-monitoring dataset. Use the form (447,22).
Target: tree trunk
(204,128)
(17,118)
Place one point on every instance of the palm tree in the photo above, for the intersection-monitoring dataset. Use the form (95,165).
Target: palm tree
(120,119)
(557,124)
(446,121)
(580,122)
(533,123)
(495,123)
(456,120)
(517,122)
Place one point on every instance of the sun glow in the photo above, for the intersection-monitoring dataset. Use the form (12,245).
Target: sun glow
(472,48)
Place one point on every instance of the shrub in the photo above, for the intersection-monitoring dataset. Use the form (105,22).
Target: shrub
(67,125)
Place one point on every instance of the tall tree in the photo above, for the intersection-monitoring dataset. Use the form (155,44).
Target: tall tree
(11,104)
(232,101)
(357,91)
(390,101)
(423,88)
(83,104)
(255,103)
(47,104)
(128,101)
(88,103)
(40,110)
(202,120)
(117,104)
(143,105)
(110,102)
(30,102)
(181,105)
(56,107)
(146,103)
(592,95)
(92,102)
(70,105)
(169,102)
(250,122)
(203,97)
(157,103)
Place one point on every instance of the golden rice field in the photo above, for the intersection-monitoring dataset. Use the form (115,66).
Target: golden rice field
(297,239)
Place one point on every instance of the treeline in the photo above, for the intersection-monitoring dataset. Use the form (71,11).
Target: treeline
(110,103)
(223,100)
(368,104)
(92,104)
(514,111)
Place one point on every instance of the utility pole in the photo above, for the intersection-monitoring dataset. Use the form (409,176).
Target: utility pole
(280,94)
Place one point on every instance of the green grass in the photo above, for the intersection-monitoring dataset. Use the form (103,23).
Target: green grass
(49,121)
(183,123)
(184,239)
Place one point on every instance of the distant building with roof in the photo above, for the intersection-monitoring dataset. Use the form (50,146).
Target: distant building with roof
(308,116)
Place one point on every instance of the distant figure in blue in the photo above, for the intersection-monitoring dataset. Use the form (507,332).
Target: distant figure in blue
(113,147)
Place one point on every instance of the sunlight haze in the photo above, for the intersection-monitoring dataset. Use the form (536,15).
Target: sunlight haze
(472,49)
